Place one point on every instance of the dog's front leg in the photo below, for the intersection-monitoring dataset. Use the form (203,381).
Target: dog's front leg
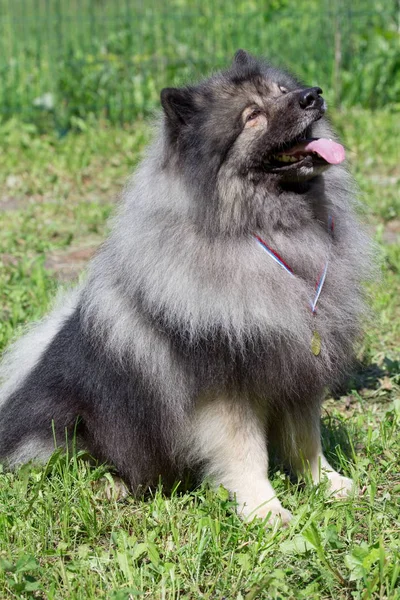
(299,439)
(229,437)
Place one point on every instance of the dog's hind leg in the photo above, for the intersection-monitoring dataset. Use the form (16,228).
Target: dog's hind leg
(298,437)
(228,435)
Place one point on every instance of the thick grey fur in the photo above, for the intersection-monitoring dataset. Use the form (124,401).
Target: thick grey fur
(182,305)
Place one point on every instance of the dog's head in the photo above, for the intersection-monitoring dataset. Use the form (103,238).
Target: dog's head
(252,124)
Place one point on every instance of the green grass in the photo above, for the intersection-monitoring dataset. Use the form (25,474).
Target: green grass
(122,52)
(66,533)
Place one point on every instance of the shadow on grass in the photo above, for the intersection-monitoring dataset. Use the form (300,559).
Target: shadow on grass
(336,441)
(367,377)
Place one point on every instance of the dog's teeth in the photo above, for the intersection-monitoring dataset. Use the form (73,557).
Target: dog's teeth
(286,158)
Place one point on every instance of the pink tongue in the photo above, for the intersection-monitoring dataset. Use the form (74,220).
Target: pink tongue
(331,151)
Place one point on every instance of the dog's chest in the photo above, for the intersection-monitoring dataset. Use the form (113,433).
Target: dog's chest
(277,286)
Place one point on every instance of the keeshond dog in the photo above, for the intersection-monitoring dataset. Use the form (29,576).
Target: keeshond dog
(227,298)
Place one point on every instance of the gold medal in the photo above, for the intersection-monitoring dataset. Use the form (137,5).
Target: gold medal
(315,343)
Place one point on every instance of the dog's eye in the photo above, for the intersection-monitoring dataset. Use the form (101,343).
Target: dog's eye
(283,89)
(253,115)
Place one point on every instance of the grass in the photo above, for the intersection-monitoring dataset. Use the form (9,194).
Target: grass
(67,532)
(122,52)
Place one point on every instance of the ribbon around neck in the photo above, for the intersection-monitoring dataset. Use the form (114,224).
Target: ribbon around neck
(278,259)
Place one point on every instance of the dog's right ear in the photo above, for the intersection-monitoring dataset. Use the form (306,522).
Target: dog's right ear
(178,105)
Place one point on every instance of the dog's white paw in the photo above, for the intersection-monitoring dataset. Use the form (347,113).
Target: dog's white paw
(271,510)
(278,514)
(340,486)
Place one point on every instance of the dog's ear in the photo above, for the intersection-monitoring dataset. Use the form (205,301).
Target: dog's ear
(242,58)
(178,105)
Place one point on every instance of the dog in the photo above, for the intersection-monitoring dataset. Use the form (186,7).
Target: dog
(227,298)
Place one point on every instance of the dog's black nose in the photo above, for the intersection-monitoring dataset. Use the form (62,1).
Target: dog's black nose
(310,98)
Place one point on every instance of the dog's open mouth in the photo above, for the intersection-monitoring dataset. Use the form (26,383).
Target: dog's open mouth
(318,152)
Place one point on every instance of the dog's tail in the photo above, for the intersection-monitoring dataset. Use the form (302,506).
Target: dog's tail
(18,362)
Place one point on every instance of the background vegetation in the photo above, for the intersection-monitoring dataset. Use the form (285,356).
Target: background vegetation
(63,61)
(78,80)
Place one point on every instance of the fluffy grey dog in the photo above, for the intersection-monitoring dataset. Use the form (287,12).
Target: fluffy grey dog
(227,298)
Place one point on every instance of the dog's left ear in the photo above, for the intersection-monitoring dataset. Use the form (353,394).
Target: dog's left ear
(242,58)
(178,105)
